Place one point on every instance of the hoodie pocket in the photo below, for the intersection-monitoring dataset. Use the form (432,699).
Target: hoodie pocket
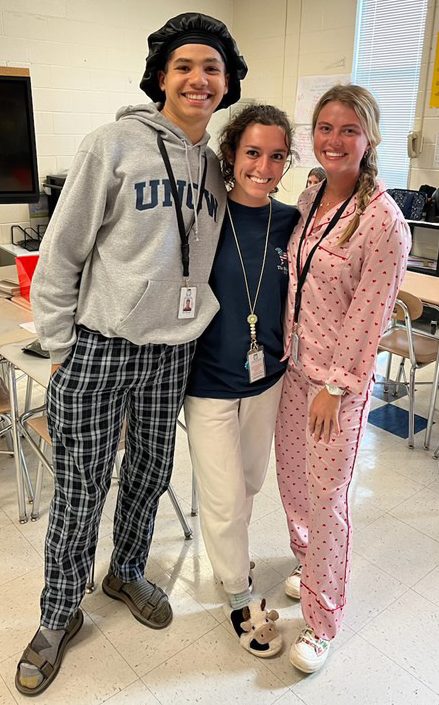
(154,318)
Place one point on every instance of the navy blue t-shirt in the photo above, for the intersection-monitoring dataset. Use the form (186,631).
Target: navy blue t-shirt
(219,366)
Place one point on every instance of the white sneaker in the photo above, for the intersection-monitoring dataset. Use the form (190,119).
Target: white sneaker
(292,583)
(309,652)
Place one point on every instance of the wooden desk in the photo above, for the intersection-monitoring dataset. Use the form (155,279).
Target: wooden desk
(37,368)
(10,318)
(424,286)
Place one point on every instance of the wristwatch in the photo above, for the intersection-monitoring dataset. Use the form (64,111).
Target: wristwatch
(334,391)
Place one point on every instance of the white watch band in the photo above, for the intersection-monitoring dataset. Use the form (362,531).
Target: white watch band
(334,391)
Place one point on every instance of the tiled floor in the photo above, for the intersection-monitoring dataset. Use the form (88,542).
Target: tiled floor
(386,654)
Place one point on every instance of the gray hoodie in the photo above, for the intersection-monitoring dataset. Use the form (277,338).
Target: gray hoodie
(110,259)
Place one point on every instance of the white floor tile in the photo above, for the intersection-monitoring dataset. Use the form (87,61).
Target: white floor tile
(428,587)
(144,648)
(370,592)
(215,669)
(374,438)
(434,486)
(386,487)
(5,694)
(289,699)
(264,505)
(364,511)
(19,612)
(92,671)
(407,631)
(397,549)
(17,557)
(358,673)
(417,463)
(136,694)
(269,537)
(421,512)
(5,520)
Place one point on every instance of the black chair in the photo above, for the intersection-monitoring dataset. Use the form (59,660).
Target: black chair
(412,203)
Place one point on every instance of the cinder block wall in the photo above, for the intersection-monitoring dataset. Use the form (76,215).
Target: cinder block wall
(86,59)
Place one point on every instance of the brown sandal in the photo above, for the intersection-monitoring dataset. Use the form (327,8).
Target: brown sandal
(144,612)
(48,670)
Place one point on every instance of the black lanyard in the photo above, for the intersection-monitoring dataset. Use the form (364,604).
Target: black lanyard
(184,234)
(301,275)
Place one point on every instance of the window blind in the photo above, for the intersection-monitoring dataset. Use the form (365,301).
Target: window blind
(389,39)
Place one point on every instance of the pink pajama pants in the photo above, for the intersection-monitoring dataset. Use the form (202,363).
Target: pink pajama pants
(314,479)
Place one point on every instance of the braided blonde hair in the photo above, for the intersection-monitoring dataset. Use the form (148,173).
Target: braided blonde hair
(368,113)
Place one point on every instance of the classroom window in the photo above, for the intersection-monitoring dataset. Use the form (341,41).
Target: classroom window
(389,38)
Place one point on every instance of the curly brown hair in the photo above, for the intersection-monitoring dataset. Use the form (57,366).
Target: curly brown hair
(231,134)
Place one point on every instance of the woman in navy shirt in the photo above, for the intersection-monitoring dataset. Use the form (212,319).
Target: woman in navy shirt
(236,377)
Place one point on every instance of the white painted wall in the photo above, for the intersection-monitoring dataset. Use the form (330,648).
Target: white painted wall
(86,59)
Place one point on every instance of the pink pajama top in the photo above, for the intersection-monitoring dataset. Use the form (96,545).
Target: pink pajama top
(349,293)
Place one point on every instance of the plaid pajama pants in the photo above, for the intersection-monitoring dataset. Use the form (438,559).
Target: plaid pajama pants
(103,381)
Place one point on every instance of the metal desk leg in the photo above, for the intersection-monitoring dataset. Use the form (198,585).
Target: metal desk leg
(194,505)
(22,516)
(432,405)
(28,398)
(184,525)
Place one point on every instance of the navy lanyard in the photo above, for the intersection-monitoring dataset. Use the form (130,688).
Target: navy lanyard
(184,234)
(301,275)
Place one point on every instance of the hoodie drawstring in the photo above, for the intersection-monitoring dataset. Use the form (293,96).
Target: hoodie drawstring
(194,200)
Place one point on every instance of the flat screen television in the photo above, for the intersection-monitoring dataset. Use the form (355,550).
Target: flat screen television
(18,156)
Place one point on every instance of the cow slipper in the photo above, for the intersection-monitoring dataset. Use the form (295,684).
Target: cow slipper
(256,629)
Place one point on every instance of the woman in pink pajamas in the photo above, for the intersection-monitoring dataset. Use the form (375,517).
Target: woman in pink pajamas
(347,259)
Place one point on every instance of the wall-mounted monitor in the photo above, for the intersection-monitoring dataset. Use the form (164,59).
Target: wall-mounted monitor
(18,156)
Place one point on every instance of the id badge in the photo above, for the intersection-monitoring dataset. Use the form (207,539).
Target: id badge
(295,340)
(186,305)
(256,364)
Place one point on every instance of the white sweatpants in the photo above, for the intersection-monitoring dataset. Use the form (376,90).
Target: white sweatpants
(230,442)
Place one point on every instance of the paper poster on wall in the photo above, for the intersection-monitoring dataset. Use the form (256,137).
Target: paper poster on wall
(309,90)
(303,146)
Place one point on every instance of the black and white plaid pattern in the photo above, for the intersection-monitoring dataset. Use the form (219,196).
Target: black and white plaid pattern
(102,381)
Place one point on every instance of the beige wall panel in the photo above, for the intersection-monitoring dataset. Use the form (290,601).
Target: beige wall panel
(254,19)
(294,17)
(425,159)
(342,13)
(312,17)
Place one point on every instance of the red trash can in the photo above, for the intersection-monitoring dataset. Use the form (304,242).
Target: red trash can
(25,268)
